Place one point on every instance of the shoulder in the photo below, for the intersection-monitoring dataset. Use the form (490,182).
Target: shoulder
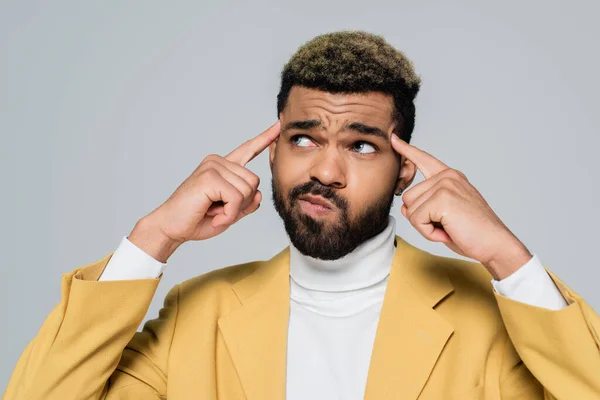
(229,286)
(464,273)
(472,303)
(470,280)
(217,282)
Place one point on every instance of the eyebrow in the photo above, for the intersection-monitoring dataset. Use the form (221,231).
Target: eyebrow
(367,130)
(302,125)
(358,127)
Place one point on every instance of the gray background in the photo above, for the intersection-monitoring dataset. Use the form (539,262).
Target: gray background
(106,107)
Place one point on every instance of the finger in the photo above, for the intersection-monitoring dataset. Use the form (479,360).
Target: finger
(425,162)
(232,198)
(252,207)
(249,176)
(217,208)
(427,220)
(412,207)
(240,183)
(440,235)
(439,196)
(410,195)
(253,147)
(416,192)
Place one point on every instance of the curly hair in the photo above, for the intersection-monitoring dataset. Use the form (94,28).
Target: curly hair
(354,62)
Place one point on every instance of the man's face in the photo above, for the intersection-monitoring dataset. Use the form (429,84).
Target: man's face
(334,170)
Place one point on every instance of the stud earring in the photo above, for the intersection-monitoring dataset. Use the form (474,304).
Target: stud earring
(399,192)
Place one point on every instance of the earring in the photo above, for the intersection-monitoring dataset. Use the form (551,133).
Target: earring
(399,192)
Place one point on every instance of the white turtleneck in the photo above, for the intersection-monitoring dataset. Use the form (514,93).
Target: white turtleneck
(335,306)
(334,311)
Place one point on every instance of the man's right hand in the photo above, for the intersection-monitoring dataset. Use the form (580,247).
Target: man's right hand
(220,192)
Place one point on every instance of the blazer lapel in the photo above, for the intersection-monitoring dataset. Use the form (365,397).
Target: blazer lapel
(256,333)
(410,334)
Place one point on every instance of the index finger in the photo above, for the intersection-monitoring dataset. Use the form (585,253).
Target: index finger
(243,154)
(425,162)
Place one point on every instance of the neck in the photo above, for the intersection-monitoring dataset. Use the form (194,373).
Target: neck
(366,265)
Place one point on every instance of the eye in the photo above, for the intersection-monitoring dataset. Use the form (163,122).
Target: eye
(301,140)
(363,148)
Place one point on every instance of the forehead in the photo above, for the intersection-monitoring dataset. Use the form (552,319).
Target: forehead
(372,107)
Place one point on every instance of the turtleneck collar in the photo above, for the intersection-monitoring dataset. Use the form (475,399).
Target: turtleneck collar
(365,266)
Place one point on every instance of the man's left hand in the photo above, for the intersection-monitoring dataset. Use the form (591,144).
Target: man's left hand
(446,208)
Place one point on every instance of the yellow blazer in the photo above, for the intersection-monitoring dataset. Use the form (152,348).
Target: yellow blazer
(443,334)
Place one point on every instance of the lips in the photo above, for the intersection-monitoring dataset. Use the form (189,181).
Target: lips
(317,200)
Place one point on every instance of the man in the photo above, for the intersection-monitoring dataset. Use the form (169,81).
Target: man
(349,309)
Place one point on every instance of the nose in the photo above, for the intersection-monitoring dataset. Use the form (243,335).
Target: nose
(329,169)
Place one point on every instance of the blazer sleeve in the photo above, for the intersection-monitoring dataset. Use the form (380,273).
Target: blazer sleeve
(88,347)
(557,349)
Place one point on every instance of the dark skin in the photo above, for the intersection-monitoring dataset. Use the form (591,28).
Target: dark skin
(346,142)
(350,145)
(342,141)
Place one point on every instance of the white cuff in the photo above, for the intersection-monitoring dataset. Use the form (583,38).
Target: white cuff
(131,262)
(532,285)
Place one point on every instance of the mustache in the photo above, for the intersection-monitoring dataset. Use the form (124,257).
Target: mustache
(316,189)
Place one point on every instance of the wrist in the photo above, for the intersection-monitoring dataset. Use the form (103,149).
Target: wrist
(152,240)
(512,257)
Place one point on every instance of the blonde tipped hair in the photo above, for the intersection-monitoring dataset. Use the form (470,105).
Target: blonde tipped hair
(354,62)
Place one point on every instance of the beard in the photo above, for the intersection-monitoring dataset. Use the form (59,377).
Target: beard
(329,240)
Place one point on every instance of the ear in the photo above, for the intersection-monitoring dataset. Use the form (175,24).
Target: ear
(408,171)
(272,148)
